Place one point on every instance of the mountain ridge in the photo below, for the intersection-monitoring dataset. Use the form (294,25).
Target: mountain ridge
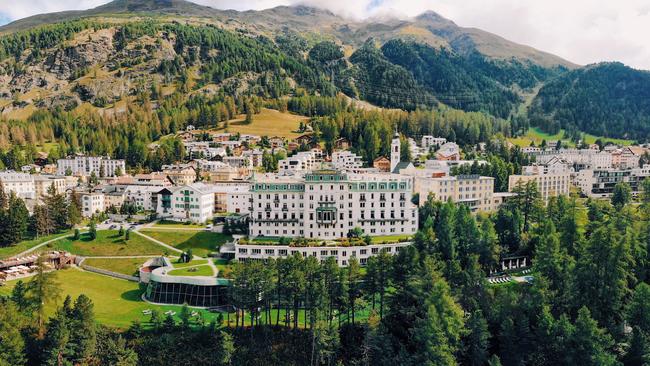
(429,27)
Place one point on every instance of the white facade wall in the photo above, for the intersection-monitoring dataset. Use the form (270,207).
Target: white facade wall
(194,202)
(22,184)
(472,190)
(143,197)
(341,254)
(590,158)
(42,184)
(301,162)
(429,141)
(92,203)
(346,160)
(239,201)
(327,204)
(548,185)
(238,161)
(86,165)
(600,183)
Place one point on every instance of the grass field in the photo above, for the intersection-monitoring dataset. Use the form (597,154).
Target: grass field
(178,225)
(127,266)
(201,242)
(117,302)
(536,135)
(192,263)
(388,239)
(203,270)
(108,243)
(268,122)
(6,252)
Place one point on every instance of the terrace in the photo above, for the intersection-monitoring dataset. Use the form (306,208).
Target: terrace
(341,242)
(15,268)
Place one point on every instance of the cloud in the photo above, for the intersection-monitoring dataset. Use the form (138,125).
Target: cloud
(583,31)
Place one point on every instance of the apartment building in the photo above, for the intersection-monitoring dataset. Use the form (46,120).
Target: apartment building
(477,192)
(42,184)
(239,199)
(86,165)
(91,203)
(194,202)
(326,204)
(429,141)
(346,160)
(601,183)
(578,158)
(549,184)
(241,161)
(143,197)
(22,184)
(448,151)
(232,197)
(180,174)
(300,162)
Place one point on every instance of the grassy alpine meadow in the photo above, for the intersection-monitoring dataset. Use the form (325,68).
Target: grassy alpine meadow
(201,242)
(268,122)
(536,135)
(107,243)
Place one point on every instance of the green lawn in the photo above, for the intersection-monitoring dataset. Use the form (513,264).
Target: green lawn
(536,135)
(6,252)
(127,266)
(203,270)
(117,302)
(388,239)
(201,242)
(192,263)
(178,225)
(108,243)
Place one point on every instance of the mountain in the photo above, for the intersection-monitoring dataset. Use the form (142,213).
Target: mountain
(606,99)
(98,58)
(429,27)
(115,43)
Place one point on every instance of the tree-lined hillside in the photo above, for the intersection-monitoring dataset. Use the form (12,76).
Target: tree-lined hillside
(608,99)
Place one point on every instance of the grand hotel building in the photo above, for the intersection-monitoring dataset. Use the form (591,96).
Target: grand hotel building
(326,204)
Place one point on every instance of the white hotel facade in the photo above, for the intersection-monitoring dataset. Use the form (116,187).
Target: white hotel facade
(326,204)
(342,254)
(86,165)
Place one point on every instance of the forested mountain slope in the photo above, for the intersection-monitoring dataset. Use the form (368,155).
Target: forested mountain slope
(608,99)
(430,27)
(117,50)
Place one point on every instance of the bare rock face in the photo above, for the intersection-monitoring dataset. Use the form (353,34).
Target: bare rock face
(64,62)
(104,90)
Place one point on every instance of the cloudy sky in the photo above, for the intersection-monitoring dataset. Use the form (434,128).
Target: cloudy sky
(582,31)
